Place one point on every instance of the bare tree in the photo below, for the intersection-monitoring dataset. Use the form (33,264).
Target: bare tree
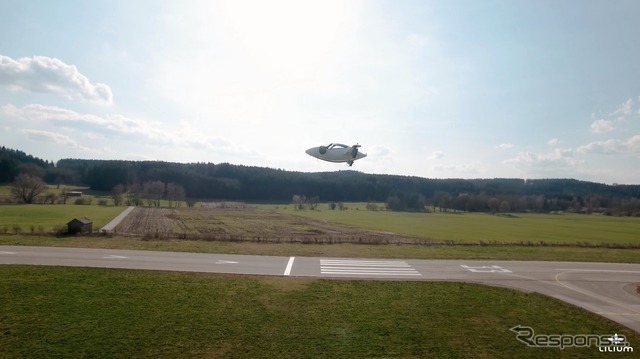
(313,202)
(299,201)
(493,204)
(504,207)
(26,188)
(117,194)
(175,193)
(50,198)
(441,199)
(134,195)
(153,191)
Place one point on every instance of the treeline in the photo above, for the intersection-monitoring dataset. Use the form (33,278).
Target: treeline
(236,182)
(150,193)
(225,181)
(14,162)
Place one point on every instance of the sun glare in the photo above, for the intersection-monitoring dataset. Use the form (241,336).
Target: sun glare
(288,37)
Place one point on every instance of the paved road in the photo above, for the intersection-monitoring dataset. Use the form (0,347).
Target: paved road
(608,289)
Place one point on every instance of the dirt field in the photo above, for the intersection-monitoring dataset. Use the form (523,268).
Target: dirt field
(245,223)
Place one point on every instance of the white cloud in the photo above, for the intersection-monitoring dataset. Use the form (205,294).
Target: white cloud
(553,142)
(456,169)
(505,146)
(624,110)
(436,155)
(57,138)
(110,124)
(37,112)
(610,146)
(630,145)
(558,162)
(50,75)
(602,126)
(120,127)
(379,151)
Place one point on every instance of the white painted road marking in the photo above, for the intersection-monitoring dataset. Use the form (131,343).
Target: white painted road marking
(287,271)
(225,262)
(364,267)
(2,252)
(592,270)
(594,295)
(485,269)
(113,256)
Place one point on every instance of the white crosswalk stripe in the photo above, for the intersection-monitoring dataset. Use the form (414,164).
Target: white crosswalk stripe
(348,267)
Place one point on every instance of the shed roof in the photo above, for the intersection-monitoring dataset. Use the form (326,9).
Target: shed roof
(83,220)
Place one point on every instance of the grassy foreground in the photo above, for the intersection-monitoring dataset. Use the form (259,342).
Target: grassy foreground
(106,313)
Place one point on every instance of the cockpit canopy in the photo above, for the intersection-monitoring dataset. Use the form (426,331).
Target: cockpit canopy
(334,145)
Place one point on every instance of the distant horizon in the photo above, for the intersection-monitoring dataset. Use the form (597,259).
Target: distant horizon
(346,169)
(464,89)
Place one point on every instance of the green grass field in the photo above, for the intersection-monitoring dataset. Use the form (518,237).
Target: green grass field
(561,230)
(49,216)
(571,229)
(6,189)
(103,313)
(474,228)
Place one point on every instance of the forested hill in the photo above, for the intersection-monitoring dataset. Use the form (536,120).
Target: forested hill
(227,181)
(13,162)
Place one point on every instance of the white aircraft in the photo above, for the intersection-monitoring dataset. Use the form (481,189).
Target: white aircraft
(337,152)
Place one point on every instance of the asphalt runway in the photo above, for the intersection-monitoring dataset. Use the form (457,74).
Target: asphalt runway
(608,289)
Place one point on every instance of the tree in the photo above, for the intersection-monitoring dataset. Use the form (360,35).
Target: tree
(504,207)
(50,198)
(299,201)
(117,193)
(441,199)
(461,202)
(134,195)
(175,194)
(26,188)
(395,203)
(415,202)
(372,206)
(493,204)
(313,202)
(153,192)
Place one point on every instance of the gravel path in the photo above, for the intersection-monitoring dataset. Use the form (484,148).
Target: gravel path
(116,221)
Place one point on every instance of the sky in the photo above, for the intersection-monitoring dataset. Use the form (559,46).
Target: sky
(437,89)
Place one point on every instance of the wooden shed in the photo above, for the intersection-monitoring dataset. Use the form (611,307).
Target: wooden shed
(80,225)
